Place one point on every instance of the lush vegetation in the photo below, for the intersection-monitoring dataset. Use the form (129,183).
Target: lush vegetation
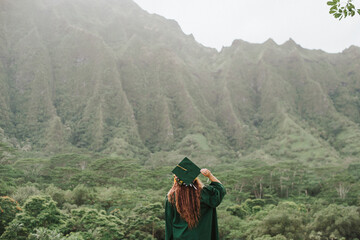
(92,196)
(100,99)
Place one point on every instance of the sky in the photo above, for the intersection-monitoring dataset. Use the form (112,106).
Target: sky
(217,23)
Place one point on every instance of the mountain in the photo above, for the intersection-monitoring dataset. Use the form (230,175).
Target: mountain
(106,76)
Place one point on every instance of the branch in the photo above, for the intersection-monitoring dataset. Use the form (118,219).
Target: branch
(340,9)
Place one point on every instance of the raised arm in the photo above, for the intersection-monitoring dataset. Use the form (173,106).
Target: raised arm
(212,194)
(208,174)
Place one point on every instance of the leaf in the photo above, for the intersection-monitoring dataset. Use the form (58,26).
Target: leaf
(332,11)
(333,8)
(337,15)
(331,3)
(358,11)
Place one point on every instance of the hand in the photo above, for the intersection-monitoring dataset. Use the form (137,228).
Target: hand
(208,174)
(205,172)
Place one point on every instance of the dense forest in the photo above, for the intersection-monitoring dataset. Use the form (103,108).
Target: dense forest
(99,100)
(82,196)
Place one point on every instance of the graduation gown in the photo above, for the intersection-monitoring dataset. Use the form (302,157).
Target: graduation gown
(207,228)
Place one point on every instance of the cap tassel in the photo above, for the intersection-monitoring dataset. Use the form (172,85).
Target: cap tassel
(180,182)
(192,185)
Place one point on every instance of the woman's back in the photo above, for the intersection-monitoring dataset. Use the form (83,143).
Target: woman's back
(206,228)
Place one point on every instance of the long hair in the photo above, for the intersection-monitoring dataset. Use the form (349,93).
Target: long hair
(187,201)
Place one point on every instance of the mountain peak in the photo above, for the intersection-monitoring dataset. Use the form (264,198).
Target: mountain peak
(270,42)
(290,44)
(352,50)
(238,42)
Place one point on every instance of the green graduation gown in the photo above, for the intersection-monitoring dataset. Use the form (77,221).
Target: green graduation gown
(207,229)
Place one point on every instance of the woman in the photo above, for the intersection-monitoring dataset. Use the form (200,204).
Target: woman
(190,210)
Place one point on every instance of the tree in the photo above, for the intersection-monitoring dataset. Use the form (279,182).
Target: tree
(342,9)
(6,153)
(250,206)
(45,234)
(335,222)
(286,220)
(9,178)
(8,209)
(39,211)
(23,193)
(108,197)
(146,222)
(83,195)
(93,224)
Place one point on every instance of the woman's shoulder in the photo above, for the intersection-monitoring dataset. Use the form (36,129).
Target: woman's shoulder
(213,194)
(214,188)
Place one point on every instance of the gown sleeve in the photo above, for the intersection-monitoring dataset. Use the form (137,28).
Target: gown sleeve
(213,194)
(169,214)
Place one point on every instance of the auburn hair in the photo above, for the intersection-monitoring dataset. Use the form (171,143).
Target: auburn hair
(186,199)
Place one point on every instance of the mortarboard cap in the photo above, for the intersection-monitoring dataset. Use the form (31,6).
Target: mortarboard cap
(186,171)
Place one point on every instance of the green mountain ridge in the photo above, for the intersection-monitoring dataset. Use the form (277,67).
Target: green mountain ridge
(107,76)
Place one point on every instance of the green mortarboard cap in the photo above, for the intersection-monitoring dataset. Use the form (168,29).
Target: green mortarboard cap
(186,171)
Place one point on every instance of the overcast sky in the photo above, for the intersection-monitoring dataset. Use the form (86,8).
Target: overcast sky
(216,23)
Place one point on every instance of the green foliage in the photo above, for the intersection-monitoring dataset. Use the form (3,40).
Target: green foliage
(109,197)
(45,234)
(342,10)
(9,177)
(239,211)
(74,236)
(70,160)
(230,226)
(43,209)
(33,168)
(275,123)
(354,171)
(285,220)
(146,223)
(250,206)
(336,221)
(8,209)
(57,194)
(5,188)
(213,106)
(125,209)
(38,211)
(23,193)
(82,195)
(6,152)
(268,237)
(93,224)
